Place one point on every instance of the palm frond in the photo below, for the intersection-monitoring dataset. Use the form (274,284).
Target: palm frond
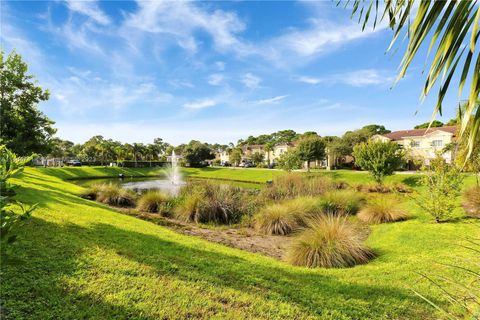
(454,29)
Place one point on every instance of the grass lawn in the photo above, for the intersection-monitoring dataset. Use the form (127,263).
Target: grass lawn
(77,259)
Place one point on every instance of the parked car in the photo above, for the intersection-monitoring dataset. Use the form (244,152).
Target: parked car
(74,163)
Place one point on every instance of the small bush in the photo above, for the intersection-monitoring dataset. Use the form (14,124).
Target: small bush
(286,217)
(116,196)
(154,201)
(212,202)
(329,242)
(341,202)
(292,185)
(471,202)
(382,209)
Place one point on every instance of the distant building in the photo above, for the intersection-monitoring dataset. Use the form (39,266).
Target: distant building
(423,144)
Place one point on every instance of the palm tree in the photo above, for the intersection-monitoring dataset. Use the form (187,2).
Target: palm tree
(454,30)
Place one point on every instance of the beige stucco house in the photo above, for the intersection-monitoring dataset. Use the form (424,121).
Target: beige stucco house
(422,144)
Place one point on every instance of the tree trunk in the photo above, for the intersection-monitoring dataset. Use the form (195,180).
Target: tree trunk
(308,166)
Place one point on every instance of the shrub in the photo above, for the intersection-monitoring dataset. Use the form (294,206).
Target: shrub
(12,212)
(381,159)
(341,202)
(471,202)
(154,201)
(116,196)
(329,242)
(212,202)
(289,161)
(286,217)
(442,182)
(294,185)
(382,209)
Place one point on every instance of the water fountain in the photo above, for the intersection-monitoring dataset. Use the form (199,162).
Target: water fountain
(171,184)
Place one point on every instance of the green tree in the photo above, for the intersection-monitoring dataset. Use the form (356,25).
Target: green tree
(24,129)
(381,159)
(376,129)
(311,148)
(196,152)
(290,160)
(258,158)
(61,148)
(433,124)
(443,183)
(452,30)
(235,156)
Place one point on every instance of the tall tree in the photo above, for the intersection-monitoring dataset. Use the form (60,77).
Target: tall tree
(24,129)
(453,28)
(433,124)
(195,152)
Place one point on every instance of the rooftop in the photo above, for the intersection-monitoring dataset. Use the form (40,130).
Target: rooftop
(398,135)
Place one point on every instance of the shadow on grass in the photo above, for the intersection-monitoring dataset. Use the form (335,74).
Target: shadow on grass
(412,181)
(37,286)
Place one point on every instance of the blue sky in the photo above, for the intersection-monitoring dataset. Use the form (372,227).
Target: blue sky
(212,71)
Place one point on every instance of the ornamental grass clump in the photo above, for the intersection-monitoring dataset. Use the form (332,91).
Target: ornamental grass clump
(381,210)
(341,202)
(155,201)
(330,241)
(292,185)
(116,196)
(92,191)
(286,217)
(471,202)
(212,202)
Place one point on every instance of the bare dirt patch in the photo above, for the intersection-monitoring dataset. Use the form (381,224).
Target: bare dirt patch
(241,238)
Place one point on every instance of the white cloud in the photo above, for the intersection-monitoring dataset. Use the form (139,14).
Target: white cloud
(90,9)
(271,100)
(200,104)
(251,81)
(366,77)
(309,80)
(215,79)
(180,20)
(220,65)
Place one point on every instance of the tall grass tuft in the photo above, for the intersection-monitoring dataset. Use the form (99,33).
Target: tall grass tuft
(116,196)
(471,201)
(381,210)
(341,202)
(294,185)
(155,201)
(212,202)
(329,242)
(92,191)
(286,217)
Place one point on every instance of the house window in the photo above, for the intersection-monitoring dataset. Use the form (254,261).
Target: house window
(437,143)
(415,144)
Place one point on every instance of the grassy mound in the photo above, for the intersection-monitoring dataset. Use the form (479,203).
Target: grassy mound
(154,201)
(329,242)
(115,196)
(381,210)
(286,217)
(293,185)
(471,201)
(341,202)
(207,202)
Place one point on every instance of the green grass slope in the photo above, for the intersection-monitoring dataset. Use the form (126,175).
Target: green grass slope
(76,259)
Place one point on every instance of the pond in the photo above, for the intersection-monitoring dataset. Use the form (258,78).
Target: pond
(142,184)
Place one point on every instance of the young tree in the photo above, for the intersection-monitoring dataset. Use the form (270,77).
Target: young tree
(381,159)
(311,148)
(24,129)
(258,158)
(235,156)
(290,160)
(443,183)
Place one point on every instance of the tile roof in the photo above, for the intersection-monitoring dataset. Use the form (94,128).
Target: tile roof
(398,135)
